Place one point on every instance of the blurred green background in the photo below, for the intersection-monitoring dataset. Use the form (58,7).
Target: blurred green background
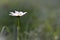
(42,22)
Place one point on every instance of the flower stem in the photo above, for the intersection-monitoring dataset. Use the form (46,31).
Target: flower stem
(18,28)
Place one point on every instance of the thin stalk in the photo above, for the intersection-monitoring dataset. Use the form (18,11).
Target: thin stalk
(18,28)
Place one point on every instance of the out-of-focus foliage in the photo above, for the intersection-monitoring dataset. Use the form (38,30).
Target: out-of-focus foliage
(42,22)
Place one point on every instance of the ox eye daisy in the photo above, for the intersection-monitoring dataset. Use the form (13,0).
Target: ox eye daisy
(17,13)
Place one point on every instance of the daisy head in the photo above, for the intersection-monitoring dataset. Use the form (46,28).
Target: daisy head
(16,13)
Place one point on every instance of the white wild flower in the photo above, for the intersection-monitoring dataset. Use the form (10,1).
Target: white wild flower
(56,37)
(17,13)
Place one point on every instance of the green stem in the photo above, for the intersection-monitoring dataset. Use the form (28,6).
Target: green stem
(18,28)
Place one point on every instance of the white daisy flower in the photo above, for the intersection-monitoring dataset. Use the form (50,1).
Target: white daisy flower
(17,13)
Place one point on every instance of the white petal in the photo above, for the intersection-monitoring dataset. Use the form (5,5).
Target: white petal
(16,11)
(25,12)
(20,12)
(12,12)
